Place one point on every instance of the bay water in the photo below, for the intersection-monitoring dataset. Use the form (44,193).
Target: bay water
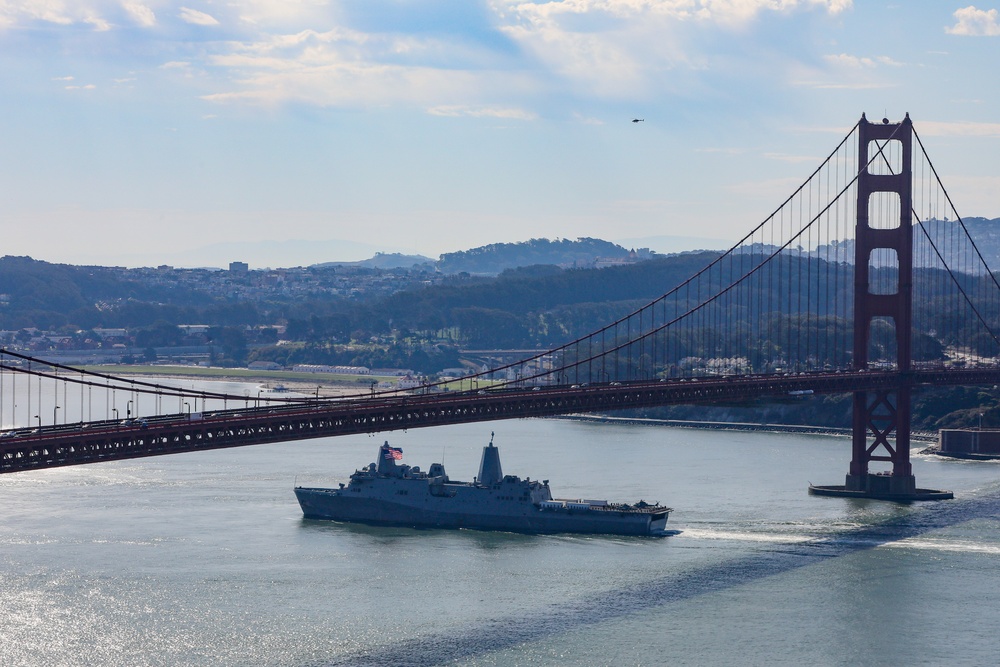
(205,559)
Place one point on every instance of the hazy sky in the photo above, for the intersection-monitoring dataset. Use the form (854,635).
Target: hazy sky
(140,132)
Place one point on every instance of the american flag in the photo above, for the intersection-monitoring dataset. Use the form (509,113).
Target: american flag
(393,453)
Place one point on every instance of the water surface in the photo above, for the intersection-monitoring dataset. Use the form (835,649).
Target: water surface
(205,559)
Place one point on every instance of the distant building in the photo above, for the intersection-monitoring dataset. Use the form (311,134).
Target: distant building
(194,334)
(634,257)
(111,334)
(969,443)
(321,368)
(264,366)
(408,382)
(238,267)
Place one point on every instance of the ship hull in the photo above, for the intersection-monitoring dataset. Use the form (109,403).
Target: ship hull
(452,511)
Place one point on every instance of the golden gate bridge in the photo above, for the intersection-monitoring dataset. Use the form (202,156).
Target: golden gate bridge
(817,298)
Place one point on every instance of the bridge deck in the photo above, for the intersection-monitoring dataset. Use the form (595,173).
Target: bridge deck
(93,442)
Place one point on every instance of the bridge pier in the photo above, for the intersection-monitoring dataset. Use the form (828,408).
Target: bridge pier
(883,236)
(877,416)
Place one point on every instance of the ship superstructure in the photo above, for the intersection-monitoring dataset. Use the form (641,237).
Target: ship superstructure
(388,493)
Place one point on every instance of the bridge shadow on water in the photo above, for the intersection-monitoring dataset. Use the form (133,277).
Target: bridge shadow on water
(505,633)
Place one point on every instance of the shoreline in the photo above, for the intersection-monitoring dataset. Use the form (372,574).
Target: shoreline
(295,383)
(919,436)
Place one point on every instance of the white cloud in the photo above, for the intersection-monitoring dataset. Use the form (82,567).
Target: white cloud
(848,85)
(185,69)
(845,71)
(735,12)
(845,60)
(604,48)
(886,60)
(99,24)
(277,12)
(858,62)
(623,47)
(717,11)
(336,82)
(341,67)
(310,41)
(482,112)
(586,120)
(972,22)
(140,13)
(58,12)
(288,50)
(51,11)
(958,129)
(195,17)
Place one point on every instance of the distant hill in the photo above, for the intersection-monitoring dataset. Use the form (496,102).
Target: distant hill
(927,235)
(986,233)
(496,258)
(943,235)
(670,244)
(537,305)
(383,260)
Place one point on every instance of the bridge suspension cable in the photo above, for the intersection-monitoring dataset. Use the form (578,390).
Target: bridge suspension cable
(693,321)
(946,244)
(779,301)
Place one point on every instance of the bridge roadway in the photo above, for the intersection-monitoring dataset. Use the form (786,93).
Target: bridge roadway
(110,440)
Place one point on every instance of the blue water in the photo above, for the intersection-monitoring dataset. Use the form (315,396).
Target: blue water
(204,559)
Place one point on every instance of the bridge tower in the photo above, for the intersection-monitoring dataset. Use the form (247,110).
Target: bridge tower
(883,237)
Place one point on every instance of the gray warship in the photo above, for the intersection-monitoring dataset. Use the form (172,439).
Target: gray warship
(387,493)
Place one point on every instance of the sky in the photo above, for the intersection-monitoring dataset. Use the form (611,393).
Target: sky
(290,132)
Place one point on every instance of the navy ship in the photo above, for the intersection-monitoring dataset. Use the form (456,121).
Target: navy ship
(388,493)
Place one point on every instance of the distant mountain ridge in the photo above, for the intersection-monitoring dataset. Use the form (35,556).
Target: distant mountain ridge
(928,235)
(383,260)
(587,252)
(495,258)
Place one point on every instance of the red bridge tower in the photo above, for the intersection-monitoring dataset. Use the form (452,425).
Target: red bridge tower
(883,238)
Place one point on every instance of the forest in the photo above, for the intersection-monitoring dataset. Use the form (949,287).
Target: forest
(423,325)
(538,306)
